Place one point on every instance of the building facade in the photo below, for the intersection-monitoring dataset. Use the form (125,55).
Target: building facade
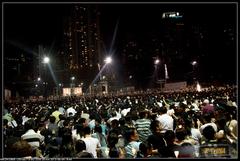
(82,45)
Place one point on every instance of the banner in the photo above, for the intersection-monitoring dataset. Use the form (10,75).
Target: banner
(72,91)
(175,86)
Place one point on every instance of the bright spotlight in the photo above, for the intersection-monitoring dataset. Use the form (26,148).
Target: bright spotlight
(46,60)
(39,79)
(108,60)
(157,61)
(194,63)
(72,78)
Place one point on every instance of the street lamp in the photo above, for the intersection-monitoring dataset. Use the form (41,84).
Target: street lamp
(108,60)
(59,89)
(157,61)
(103,79)
(194,63)
(46,60)
(72,79)
(38,79)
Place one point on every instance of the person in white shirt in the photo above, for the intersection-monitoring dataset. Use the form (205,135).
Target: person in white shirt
(114,117)
(125,111)
(33,138)
(71,110)
(165,120)
(92,144)
(208,121)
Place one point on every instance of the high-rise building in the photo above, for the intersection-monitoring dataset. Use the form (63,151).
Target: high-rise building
(173,42)
(166,41)
(82,44)
(131,59)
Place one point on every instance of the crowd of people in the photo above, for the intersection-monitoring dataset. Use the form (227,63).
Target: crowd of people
(139,125)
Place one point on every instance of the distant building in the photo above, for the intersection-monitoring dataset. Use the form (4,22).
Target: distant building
(131,54)
(82,44)
(17,62)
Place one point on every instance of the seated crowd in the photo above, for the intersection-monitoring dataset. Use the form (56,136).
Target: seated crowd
(146,125)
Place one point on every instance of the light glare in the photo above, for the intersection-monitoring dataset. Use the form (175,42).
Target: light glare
(46,60)
(194,63)
(108,60)
(157,61)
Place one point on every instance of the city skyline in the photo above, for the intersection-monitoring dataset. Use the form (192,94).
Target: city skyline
(28,25)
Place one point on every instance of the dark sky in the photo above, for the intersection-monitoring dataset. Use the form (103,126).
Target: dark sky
(42,23)
(34,24)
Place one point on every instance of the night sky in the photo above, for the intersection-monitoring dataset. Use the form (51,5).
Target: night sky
(34,24)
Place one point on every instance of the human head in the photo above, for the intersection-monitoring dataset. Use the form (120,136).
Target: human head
(21,149)
(98,129)
(80,146)
(131,135)
(155,126)
(30,124)
(209,132)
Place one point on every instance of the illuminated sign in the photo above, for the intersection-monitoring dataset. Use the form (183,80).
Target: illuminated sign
(66,91)
(175,86)
(214,151)
(171,15)
(77,91)
(72,91)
